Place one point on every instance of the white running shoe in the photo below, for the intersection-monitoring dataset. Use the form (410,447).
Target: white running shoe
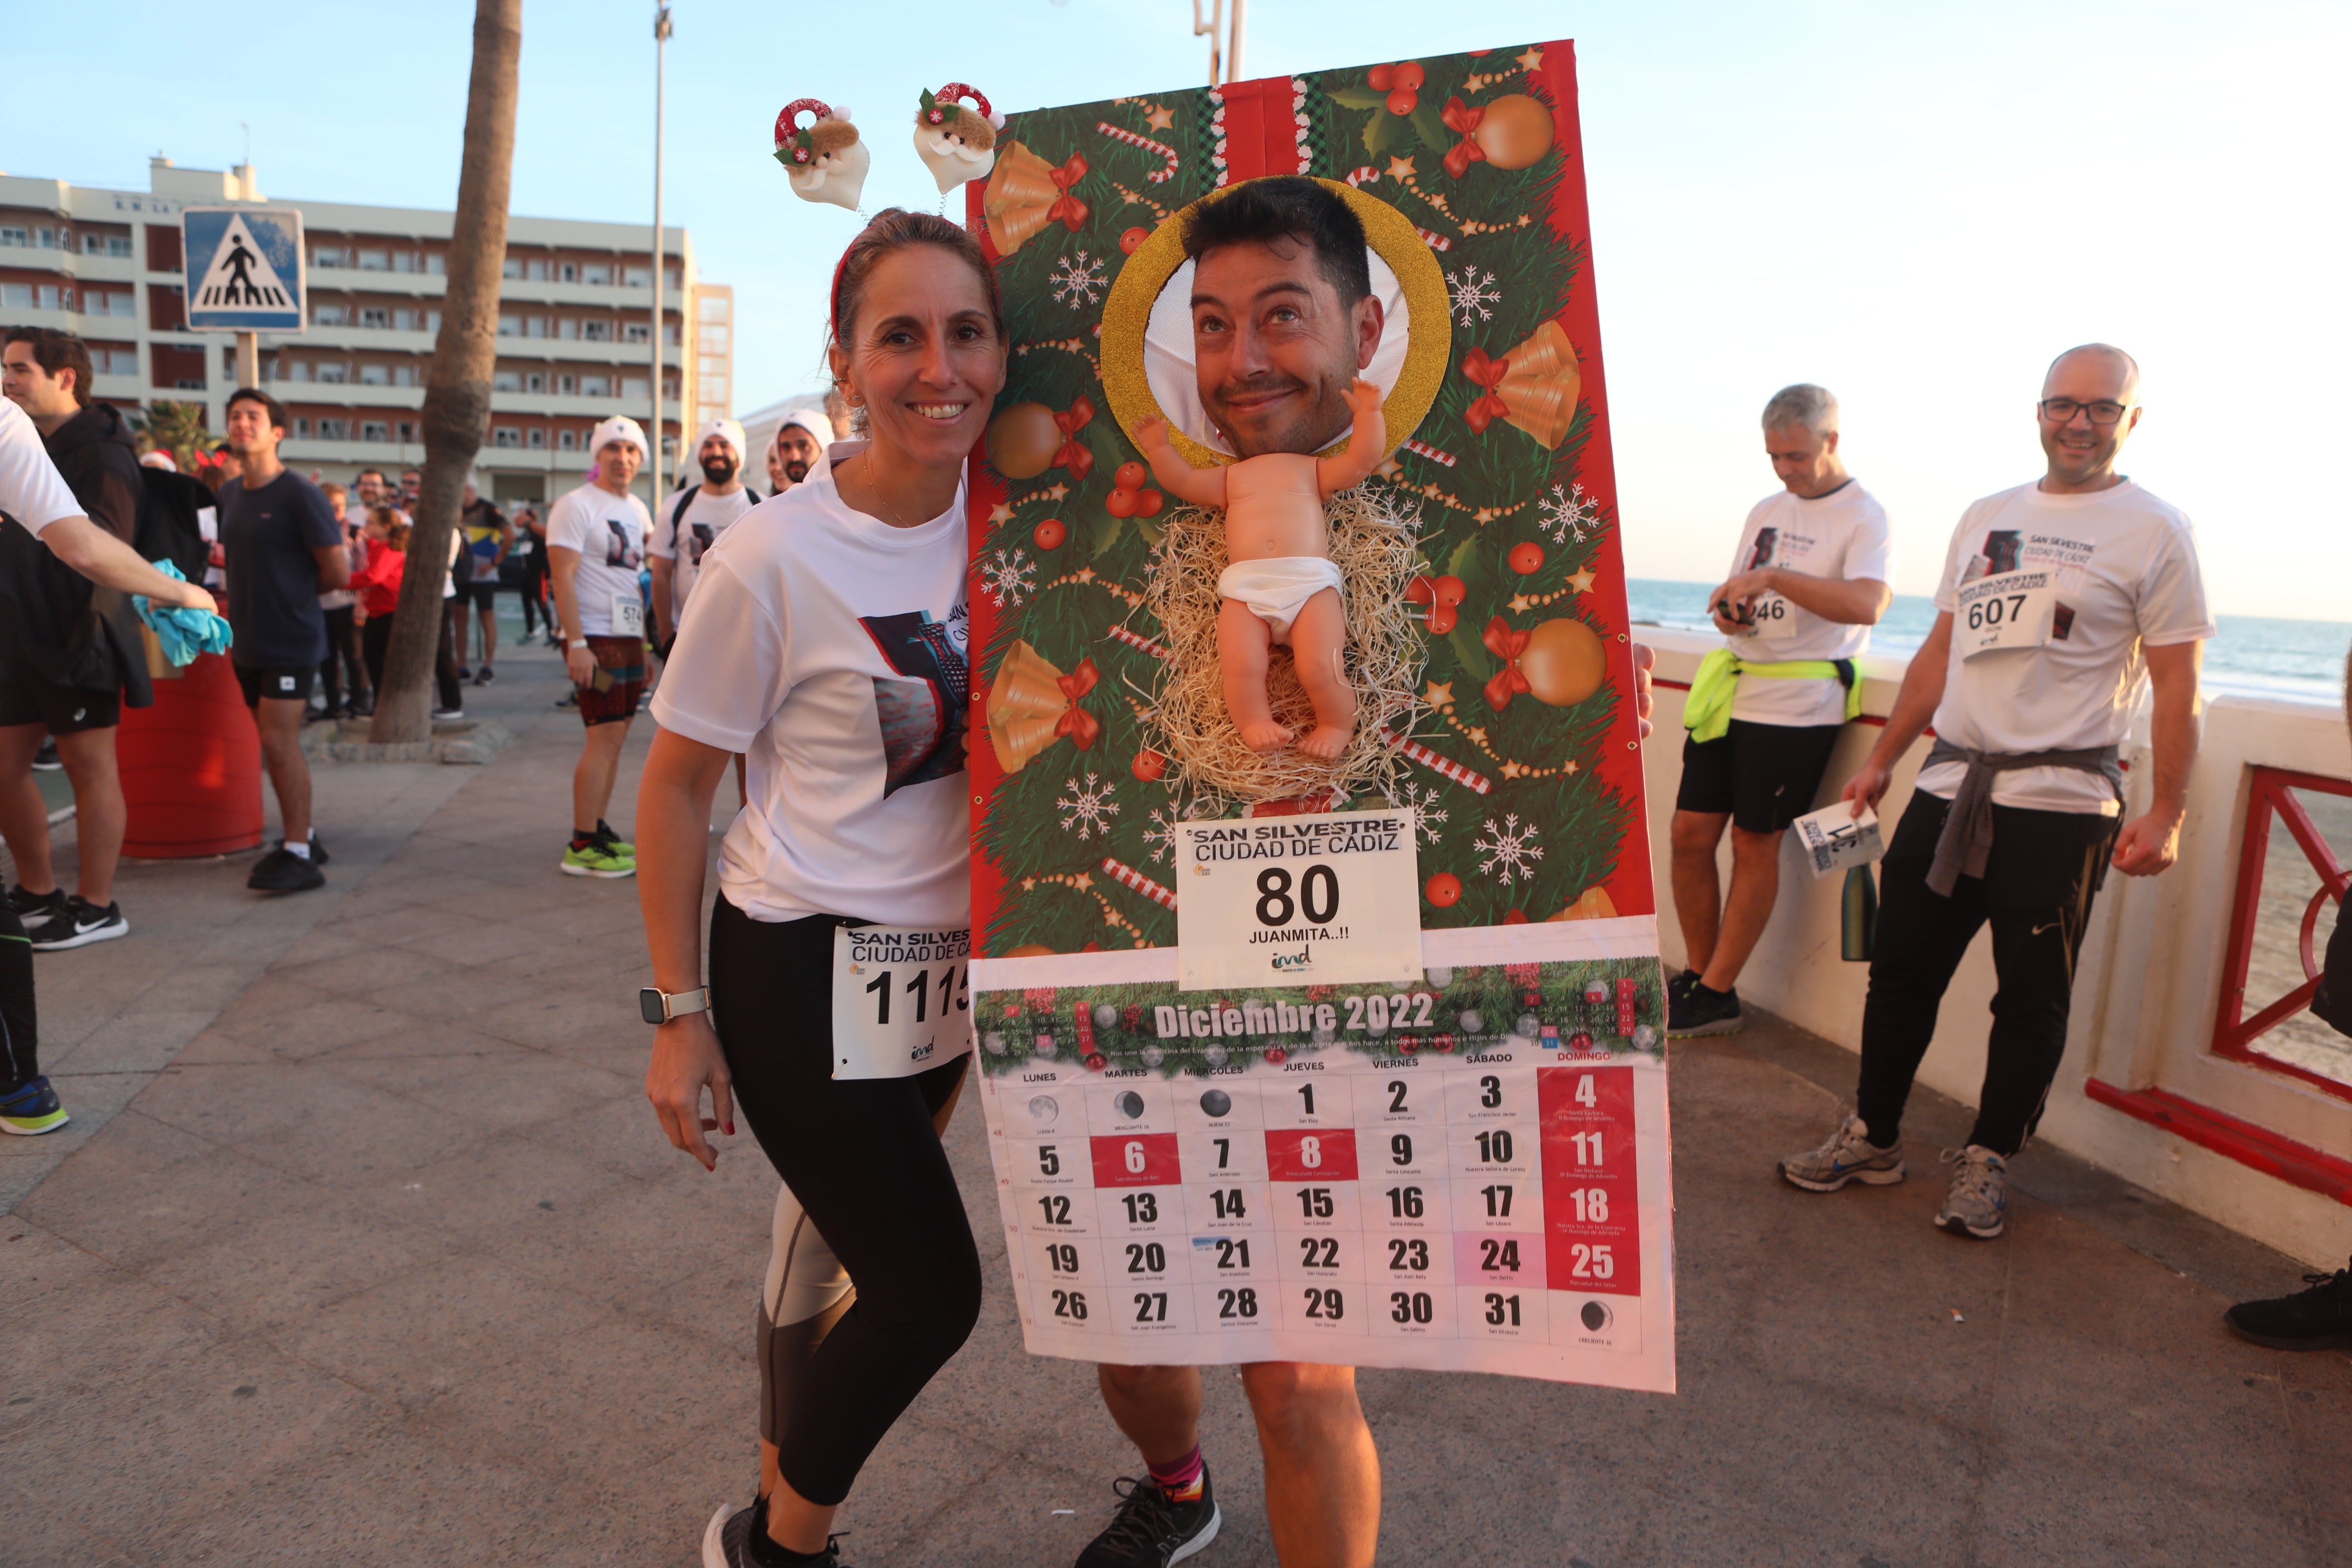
(1977,1203)
(1845,1155)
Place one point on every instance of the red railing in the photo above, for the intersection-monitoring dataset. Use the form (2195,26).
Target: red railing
(2233,1032)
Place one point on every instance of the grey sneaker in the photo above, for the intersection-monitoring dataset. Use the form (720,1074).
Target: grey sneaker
(1976,1203)
(727,1539)
(1845,1155)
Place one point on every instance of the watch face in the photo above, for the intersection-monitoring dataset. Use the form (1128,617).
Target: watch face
(649,1003)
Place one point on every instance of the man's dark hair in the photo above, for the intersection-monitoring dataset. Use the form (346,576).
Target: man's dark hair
(55,351)
(1287,207)
(364,473)
(269,406)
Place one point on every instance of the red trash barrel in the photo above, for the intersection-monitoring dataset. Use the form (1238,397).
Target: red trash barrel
(191,766)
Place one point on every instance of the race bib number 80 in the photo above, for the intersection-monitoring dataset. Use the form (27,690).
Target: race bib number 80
(2014,610)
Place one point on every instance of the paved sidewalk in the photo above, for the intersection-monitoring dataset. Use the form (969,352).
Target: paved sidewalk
(389,1264)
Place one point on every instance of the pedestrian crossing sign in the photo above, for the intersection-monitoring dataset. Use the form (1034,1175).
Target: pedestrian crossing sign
(244,268)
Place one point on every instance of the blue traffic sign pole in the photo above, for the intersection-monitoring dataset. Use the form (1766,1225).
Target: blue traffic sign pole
(245,274)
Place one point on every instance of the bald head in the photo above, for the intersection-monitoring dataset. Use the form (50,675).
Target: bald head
(2103,369)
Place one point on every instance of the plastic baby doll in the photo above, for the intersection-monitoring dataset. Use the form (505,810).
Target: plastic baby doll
(1281,585)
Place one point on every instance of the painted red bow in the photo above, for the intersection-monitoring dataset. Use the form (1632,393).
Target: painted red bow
(1462,119)
(1082,727)
(1506,645)
(1488,373)
(1074,454)
(1067,208)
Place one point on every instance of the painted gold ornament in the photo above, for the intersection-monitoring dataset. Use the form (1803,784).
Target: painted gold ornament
(1563,662)
(1021,440)
(956,145)
(825,159)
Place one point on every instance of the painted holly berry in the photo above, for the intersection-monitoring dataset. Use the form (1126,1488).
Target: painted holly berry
(1120,503)
(1450,590)
(1148,502)
(1443,619)
(1421,590)
(1527,557)
(1149,764)
(1132,239)
(1277,1056)
(1094,1062)
(1131,476)
(1050,533)
(1444,890)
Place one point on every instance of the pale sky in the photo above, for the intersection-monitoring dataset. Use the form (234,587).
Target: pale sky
(1914,206)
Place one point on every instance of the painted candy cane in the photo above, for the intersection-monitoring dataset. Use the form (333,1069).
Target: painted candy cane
(1436,764)
(1128,876)
(1121,133)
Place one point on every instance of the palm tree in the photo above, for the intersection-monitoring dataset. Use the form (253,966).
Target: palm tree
(165,426)
(458,388)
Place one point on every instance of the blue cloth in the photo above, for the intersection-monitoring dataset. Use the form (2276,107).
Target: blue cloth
(184,633)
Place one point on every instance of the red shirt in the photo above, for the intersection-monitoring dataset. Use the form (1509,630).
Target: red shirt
(378,583)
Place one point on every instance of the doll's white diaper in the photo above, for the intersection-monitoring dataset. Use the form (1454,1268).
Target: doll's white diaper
(1277,589)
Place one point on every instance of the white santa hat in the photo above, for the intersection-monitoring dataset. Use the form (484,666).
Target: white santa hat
(813,421)
(728,430)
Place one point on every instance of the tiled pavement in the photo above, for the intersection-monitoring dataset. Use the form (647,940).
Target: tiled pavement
(387,1264)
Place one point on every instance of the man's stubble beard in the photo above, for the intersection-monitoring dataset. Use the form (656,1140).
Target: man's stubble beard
(1309,432)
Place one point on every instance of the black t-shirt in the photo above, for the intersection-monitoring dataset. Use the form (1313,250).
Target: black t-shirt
(273,579)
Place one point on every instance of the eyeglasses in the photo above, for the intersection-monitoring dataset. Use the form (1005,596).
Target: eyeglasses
(2061,410)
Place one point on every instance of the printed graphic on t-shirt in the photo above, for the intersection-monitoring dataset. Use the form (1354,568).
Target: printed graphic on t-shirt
(922,717)
(621,550)
(703,537)
(1761,557)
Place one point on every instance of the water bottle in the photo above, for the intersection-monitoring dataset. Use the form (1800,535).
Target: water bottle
(1858,915)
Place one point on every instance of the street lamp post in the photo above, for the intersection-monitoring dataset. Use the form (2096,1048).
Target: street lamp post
(661,60)
(1224,38)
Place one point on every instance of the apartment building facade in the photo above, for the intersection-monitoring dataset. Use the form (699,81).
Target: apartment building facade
(575,324)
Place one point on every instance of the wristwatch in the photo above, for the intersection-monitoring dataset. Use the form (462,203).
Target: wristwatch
(659,1006)
(577,642)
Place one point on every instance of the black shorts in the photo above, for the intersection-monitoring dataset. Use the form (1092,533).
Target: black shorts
(1765,775)
(289,685)
(482,595)
(27,698)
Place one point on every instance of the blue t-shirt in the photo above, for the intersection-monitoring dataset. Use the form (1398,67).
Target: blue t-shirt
(267,535)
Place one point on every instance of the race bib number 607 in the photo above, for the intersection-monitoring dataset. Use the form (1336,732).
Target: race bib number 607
(2014,610)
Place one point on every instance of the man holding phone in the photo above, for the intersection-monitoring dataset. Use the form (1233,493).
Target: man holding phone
(1808,582)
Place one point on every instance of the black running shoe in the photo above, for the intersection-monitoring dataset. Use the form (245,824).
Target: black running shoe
(1152,1529)
(44,757)
(31,907)
(1699,1011)
(727,1539)
(78,924)
(283,871)
(2319,1319)
(485,675)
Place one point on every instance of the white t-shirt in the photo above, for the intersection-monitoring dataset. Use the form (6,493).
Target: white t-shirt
(683,541)
(31,490)
(1839,535)
(829,649)
(609,532)
(2128,576)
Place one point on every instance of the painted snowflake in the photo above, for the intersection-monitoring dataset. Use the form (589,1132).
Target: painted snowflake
(1567,511)
(1509,846)
(1008,577)
(1162,835)
(1473,295)
(1090,806)
(1421,800)
(1076,282)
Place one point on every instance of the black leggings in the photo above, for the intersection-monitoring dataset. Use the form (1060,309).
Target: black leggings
(863,1158)
(20,1033)
(376,636)
(340,673)
(2040,879)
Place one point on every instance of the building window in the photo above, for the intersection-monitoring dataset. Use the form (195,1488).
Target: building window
(50,296)
(596,273)
(567,329)
(297,370)
(506,381)
(634,388)
(537,439)
(404,376)
(408,432)
(535,326)
(536,271)
(48,238)
(330,315)
(374,430)
(567,385)
(432,320)
(373,316)
(116,361)
(434,264)
(14,234)
(637,276)
(404,261)
(567,440)
(506,436)
(327,256)
(534,382)
(403,321)
(334,429)
(636,331)
(334,373)
(188,384)
(509,326)
(513,268)
(118,245)
(374,261)
(302,427)
(595,386)
(16,296)
(596,332)
(375,375)
(568,273)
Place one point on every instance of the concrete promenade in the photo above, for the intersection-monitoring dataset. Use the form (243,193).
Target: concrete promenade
(364,1249)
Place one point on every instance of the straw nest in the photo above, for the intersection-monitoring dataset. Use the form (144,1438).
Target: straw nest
(1376,551)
